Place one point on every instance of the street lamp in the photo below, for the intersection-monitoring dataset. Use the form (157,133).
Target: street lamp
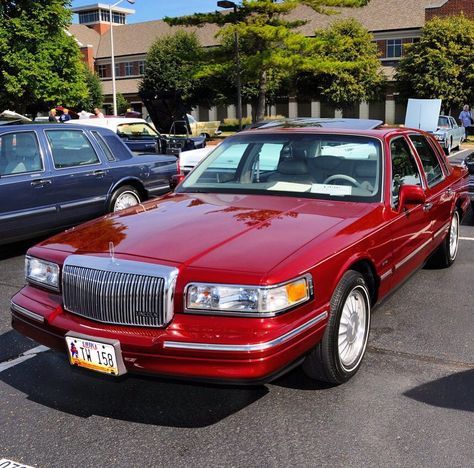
(229,4)
(114,91)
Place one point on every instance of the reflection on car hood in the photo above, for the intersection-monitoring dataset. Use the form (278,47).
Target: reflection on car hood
(224,232)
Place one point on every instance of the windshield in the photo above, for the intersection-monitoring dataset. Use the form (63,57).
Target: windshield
(305,165)
(136,131)
(443,122)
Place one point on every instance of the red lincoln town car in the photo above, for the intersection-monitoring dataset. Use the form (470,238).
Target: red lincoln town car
(271,253)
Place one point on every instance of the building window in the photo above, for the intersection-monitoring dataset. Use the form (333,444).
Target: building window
(128,68)
(117,69)
(102,71)
(141,67)
(104,16)
(394,48)
(89,17)
(118,18)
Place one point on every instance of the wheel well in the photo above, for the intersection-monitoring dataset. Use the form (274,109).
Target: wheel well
(459,209)
(136,185)
(367,270)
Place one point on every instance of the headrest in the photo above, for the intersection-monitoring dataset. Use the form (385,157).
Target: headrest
(327,162)
(293,166)
(365,168)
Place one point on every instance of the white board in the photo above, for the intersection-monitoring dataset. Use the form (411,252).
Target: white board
(423,114)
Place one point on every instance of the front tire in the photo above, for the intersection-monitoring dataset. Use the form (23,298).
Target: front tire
(339,355)
(449,147)
(124,197)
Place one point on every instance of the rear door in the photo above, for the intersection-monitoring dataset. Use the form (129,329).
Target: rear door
(439,195)
(80,175)
(26,204)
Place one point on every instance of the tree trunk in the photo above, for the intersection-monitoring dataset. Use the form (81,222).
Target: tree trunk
(262,91)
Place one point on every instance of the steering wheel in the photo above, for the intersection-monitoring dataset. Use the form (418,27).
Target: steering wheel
(342,177)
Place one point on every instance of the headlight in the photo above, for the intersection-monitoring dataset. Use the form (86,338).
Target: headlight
(42,272)
(248,300)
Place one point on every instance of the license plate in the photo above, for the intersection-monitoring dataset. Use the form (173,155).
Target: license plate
(99,356)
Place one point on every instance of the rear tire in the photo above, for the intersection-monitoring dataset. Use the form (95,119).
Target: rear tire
(446,253)
(124,197)
(448,148)
(338,356)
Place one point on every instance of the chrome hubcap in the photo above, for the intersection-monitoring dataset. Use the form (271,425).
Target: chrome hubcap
(454,236)
(353,328)
(126,200)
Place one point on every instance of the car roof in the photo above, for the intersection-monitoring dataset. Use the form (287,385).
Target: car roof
(308,122)
(107,122)
(50,126)
(379,132)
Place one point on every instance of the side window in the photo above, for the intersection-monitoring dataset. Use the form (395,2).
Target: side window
(404,168)
(136,131)
(105,147)
(429,160)
(71,148)
(19,153)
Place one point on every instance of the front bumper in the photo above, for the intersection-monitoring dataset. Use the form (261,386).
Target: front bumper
(192,347)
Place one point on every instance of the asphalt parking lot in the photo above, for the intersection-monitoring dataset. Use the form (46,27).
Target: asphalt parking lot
(412,403)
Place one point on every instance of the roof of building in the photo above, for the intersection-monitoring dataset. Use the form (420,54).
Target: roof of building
(377,15)
(85,36)
(124,86)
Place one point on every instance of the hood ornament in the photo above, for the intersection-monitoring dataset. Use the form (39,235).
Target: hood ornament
(112,251)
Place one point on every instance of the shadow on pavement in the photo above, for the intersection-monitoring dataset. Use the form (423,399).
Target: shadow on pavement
(17,248)
(12,344)
(47,379)
(453,391)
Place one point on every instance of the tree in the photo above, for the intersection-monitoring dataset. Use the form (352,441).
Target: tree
(169,88)
(347,68)
(270,48)
(122,104)
(441,64)
(94,96)
(40,64)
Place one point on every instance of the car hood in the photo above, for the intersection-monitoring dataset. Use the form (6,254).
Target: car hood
(246,233)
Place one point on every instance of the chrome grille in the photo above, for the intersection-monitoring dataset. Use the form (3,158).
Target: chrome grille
(118,292)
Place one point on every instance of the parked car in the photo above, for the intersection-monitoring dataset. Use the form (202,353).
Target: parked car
(206,128)
(469,162)
(271,253)
(141,137)
(53,176)
(449,134)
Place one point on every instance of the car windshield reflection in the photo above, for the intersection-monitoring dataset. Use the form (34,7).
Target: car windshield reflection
(307,165)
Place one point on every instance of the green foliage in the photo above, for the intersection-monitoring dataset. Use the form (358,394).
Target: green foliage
(441,64)
(40,65)
(171,67)
(94,96)
(271,52)
(122,104)
(344,67)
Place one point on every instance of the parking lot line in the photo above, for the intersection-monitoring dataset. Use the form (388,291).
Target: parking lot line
(466,238)
(23,357)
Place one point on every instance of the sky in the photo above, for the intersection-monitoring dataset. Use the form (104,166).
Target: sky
(148,10)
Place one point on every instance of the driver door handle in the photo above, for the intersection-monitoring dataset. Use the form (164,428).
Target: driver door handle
(38,183)
(427,206)
(98,173)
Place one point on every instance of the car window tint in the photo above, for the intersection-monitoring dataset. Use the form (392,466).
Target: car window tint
(136,131)
(71,148)
(429,160)
(105,147)
(19,153)
(404,168)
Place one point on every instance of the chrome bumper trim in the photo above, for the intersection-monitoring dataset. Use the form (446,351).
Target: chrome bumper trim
(26,312)
(248,347)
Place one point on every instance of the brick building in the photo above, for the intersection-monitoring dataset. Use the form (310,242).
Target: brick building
(392,23)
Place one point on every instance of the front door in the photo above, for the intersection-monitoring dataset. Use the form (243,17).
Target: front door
(26,205)
(410,225)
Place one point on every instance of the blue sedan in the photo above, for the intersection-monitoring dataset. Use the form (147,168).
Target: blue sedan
(55,176)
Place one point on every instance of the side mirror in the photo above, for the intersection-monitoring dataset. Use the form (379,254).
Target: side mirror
(411,195)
